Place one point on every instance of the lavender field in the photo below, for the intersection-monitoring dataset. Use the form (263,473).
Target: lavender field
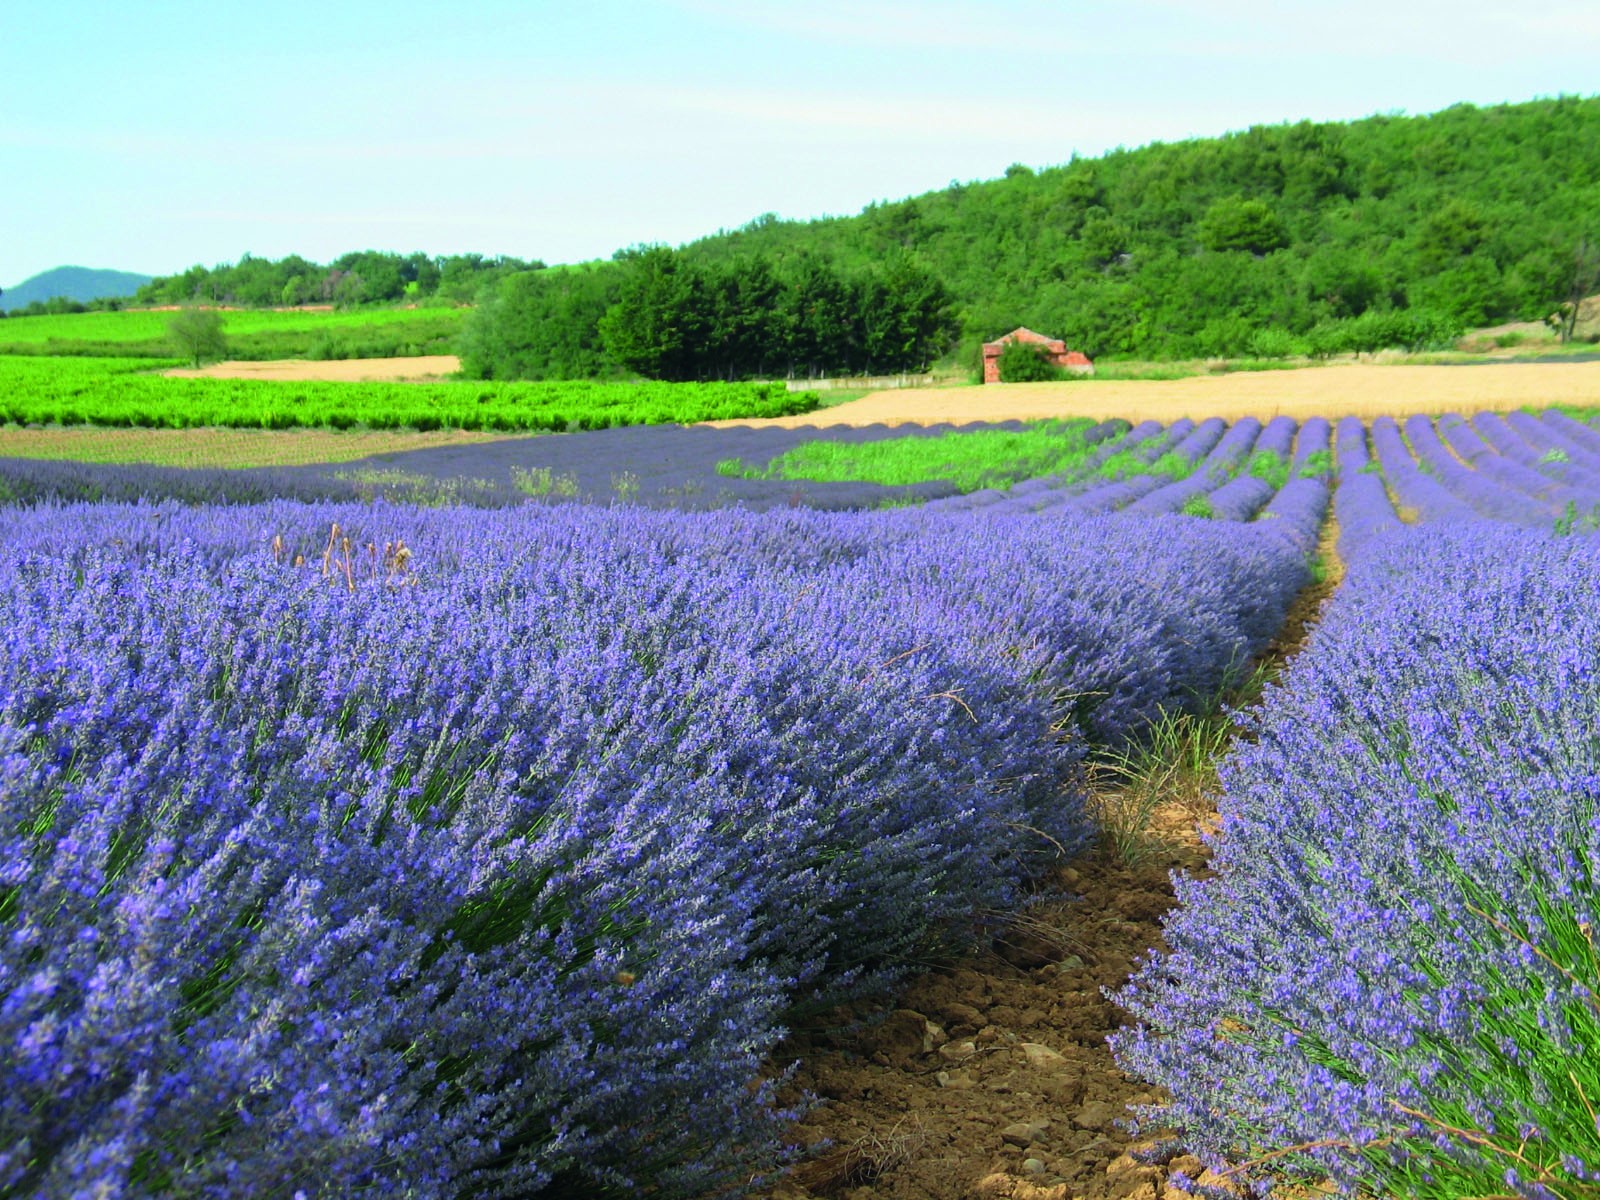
(354,847)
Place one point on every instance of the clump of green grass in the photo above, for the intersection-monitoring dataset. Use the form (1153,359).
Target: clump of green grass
(626,484)
(542,481)
(1574,521)
(1271,467)
(1173,762)
(409,487)
(1198,506)
(1317,465)
(1127,463)
(984,458)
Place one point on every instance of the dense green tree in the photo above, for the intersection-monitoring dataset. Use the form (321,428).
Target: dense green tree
(905,315)
(1581,279)
(657,325)
(745,328)
(541,325)
(1235,223)
(820,307)
(1024,362)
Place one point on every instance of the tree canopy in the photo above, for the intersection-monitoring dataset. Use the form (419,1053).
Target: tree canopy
(658,313)
(360,277)
(1470,215)
(197,334)
(1299,238)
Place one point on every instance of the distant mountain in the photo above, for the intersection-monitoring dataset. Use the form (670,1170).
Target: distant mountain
(74,283)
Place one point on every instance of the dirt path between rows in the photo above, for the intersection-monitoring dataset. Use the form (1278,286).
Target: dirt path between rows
(991,1079)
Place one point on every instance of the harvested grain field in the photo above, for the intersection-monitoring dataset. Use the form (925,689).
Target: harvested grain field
(1335,391)
(423,368)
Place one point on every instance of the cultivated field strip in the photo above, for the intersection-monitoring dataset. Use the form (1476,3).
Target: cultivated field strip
(120,392)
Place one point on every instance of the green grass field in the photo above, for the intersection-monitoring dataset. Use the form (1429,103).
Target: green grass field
(117,392)
(253,334)
(983,458)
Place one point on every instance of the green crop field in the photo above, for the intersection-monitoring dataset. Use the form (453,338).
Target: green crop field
(252,333)
(985,458)
(116,392)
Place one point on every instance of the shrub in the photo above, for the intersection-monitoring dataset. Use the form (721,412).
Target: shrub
(1025,362)
(1272,342)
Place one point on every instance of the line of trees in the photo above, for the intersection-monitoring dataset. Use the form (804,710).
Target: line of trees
(360,277)
(58,306)
(655,312)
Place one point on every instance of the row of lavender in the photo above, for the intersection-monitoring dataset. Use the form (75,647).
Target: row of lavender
(1391,976)
(1214,458)
(470,852)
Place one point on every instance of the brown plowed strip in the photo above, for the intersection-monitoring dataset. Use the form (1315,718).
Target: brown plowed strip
(424,368)
(1360,390)
(222,447)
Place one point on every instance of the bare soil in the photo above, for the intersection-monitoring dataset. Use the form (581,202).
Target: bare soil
(424,368)
(991,1078)
(1346,389)
(210,447)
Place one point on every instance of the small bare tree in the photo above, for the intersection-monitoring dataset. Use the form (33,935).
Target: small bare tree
(196,334)
(1584,281)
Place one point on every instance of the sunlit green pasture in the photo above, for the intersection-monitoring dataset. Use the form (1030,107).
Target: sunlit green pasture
(252,333)
(970,460)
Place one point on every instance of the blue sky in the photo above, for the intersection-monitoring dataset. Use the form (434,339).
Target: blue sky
(150,136)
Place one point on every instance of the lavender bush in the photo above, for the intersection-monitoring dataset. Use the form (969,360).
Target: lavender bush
(470,853)
(1187,441)
(1494,486)
(1391,975)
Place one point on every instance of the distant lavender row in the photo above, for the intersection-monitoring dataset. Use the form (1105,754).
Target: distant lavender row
(491,850)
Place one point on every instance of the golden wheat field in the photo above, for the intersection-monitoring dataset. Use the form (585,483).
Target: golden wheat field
(1347,389)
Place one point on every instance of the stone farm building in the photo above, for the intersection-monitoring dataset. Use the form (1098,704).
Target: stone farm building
(1056,351)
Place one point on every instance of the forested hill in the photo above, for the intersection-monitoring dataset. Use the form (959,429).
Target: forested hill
(79,285)
(1250,242)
